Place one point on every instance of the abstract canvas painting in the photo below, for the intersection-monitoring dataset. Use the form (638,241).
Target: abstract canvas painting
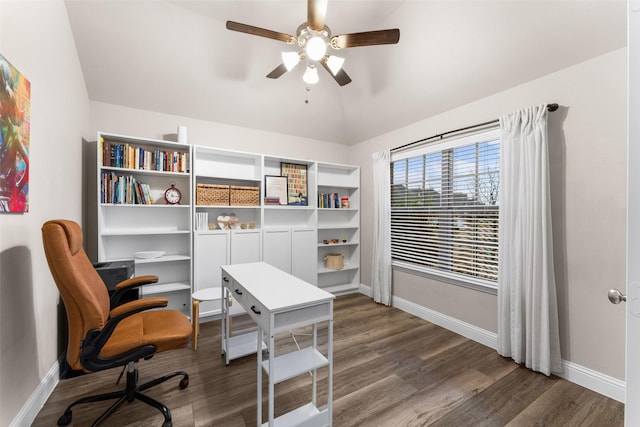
(15,96)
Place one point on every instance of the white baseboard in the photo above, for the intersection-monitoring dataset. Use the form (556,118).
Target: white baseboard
(594,380)
(578,374)
(366,290)
(36,401)
(467,330)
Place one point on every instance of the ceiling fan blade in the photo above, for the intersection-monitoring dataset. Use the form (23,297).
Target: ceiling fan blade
(257,31)
(367,38)
(341,77)
(316,14)
(277,72)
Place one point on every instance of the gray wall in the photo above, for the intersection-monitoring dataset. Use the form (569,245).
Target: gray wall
(35,37)
(588,195)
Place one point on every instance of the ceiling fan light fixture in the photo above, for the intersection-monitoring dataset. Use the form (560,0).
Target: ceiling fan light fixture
(335,63)
(316,48)
(313,38)
(290,59)
(311,75)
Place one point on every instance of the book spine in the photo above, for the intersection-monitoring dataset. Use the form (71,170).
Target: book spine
(147,189)
(136,192)
(106,152)
(126,156)
(112,154)
(103,193)
(117,156)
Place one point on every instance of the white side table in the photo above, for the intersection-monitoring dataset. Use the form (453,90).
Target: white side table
(209,294)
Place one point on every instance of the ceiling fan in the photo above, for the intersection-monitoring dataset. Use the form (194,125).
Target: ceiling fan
(317,44)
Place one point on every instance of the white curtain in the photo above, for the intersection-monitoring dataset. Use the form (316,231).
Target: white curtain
(527,307)
(381,259)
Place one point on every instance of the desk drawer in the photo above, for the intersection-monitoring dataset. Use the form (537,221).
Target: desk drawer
(228,282)
(240,294)
(257,312)
(303,316)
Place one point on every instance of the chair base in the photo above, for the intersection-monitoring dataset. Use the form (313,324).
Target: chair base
(132,392)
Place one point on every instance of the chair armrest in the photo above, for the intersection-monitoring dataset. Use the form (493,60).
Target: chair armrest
(97,338)
(134,282)
(137,306)
(128,284)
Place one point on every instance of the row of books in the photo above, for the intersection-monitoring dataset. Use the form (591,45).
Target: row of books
(202,221)
(124,189)
(127,156)
(331,200)
(272,200)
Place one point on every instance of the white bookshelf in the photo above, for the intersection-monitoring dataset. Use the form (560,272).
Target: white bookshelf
(216,247)
(338,226)
(126,225)
(288,236)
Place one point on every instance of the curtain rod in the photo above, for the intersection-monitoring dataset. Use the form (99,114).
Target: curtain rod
(550,107)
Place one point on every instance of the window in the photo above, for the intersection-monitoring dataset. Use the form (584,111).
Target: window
(444,208)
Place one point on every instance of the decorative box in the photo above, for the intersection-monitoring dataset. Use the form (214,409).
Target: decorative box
(334,261)
(212,194)
(244,196)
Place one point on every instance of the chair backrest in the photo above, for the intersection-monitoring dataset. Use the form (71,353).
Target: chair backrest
(85,295)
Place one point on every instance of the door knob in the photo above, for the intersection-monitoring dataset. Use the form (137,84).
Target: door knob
(616,297)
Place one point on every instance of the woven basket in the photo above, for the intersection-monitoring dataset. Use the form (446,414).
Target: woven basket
(212,194)
(334,261)
(244,196)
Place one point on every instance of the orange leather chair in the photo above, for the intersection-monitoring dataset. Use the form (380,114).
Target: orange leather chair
(101,336)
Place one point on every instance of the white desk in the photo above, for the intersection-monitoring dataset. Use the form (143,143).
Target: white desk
(278,302)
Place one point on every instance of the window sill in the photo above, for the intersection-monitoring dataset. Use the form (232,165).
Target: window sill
(452,279)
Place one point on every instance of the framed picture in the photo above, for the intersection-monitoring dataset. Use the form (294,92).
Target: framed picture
(297,182)
(275,190)
(15,125)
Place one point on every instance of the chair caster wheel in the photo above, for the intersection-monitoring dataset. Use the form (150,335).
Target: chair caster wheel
(184,383)
(167,424)
(65,419)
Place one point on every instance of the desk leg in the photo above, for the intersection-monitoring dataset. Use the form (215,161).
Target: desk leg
(272,396)
(314,376)
(259,376)
(225,328)
(229,318)
(330,357)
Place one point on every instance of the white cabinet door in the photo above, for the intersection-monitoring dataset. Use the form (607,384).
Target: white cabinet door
(211,252)
(276,248)
(304,254)
(245,246)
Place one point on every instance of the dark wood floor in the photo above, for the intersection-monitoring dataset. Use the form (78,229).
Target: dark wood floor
(390,369)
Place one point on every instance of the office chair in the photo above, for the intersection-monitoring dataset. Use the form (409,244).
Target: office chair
(103,337)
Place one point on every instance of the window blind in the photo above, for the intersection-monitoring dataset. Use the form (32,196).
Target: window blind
(445,207)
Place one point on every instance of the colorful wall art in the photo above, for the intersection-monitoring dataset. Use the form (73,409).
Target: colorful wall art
(15,96)
(296,181)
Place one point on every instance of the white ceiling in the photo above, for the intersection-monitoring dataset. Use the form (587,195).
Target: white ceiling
(177,57)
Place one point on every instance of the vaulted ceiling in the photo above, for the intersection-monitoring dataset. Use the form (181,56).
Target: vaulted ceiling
(177,57)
